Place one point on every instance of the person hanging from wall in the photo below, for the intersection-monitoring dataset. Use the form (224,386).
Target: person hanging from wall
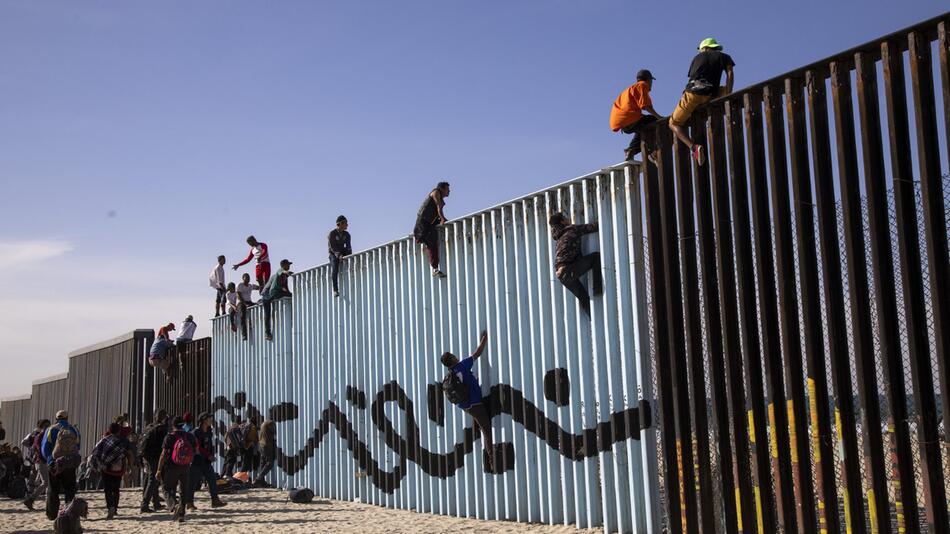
(428,220)
(41,480)
(61,452)
(150,450)
(161,354)
(258,252)
(202,467)
(217,282)
(627,116)
(705,73)
(233,447)
(268,448)
(461,387)
(339,245)
(569,262)
(174,466)
(276,288)
(111,456)
(236,307)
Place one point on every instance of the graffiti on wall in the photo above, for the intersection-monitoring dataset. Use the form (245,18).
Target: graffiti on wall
(502,399)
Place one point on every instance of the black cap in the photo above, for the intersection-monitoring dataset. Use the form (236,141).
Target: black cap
(340,219)
(644,74)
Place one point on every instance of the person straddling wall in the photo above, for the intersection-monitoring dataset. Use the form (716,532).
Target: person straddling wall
(150,450)
(428,220)
(174,465)
(338,241)
(61,452)
(569,262)
(627,116)
(276,288)
(461,387)
(705,73)
(258,252)
(41,481)
(244,289)
(268,446)
(202,467)
(217,282)
(236,307)
(111,456)
(162,355)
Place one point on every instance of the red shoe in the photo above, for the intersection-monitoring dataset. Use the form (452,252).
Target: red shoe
(698,155)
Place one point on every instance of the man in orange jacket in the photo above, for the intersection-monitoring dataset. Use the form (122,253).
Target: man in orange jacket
(627,112)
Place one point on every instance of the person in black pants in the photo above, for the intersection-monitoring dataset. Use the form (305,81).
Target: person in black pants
(150,450)
(569,263)
(268,441)
(172,473)
(426,230)
(201,467)
(276,288)
(234,447)
(339,244)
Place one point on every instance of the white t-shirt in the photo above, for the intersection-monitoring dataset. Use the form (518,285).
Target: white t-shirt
(232,298)
(245,290)
(187,330)
(217,277)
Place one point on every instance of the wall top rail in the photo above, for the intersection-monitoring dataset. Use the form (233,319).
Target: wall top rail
(28,396)
(578,179)
(111,342)
(49,379)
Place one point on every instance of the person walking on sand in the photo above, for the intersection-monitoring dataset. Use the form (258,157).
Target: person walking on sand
(111,456)
(61,452)
(428,220)
(174,465)
(150,450)
(570,264)
(627,116)
(276,288)
(461,387)
(258,252)
(202,467)
(339,245)
(41,481)
(705,73)
(216,280)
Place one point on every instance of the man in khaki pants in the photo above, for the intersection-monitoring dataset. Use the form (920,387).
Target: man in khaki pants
(704,74)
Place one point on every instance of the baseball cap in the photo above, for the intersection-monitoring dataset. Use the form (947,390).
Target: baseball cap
(340,219)
(710,42)
(644,74)
(62,414)
(288,262)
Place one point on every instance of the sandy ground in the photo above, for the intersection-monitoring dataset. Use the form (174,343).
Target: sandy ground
(263,510)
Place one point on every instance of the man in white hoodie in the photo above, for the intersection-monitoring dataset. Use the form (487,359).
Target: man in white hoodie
(217,282)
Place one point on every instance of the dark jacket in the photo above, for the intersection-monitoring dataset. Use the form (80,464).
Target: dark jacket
(268,437)
(338,243)
(568,237)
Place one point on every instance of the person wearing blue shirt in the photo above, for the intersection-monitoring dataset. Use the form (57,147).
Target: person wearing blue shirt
(61,480)
(474,405)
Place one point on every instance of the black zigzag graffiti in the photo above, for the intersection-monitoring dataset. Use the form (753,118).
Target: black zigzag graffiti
(502,399)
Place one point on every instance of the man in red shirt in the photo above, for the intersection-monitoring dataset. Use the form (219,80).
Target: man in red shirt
(627,113)
(258,252)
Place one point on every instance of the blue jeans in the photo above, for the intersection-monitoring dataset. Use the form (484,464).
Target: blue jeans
(201,469)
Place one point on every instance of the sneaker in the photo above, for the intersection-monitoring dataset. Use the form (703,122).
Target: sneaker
(628,154)
(29,504)
(438,274)
(269,337)
(336,293)
(217,503)
(111,514)
(191,506)
(698,154)
(652,158)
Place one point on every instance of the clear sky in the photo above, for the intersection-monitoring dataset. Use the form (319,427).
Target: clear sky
(139,140)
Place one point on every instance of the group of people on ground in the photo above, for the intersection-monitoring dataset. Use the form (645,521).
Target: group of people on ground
(704,78)
(177,455)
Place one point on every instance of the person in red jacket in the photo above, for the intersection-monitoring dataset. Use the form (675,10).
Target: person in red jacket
(258,252)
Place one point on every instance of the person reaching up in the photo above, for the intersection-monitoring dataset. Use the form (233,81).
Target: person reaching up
(462,389)
(570,264)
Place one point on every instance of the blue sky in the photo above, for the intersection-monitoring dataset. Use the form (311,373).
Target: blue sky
(138,140)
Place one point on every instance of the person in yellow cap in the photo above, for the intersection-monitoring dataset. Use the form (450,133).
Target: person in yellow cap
(705,73)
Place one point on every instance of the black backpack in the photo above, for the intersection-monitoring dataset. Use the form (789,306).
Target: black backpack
(150,445)
(300,496)
(454,389)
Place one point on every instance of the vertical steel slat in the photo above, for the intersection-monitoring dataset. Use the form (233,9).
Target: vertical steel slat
(831,249)
(768,310)
(761,518)
(688,237)
(938,263)
(940,279)
(674,314)
(788,312)
(663,346)
(911,277)
(883,276)
(726,364)
(822,448)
